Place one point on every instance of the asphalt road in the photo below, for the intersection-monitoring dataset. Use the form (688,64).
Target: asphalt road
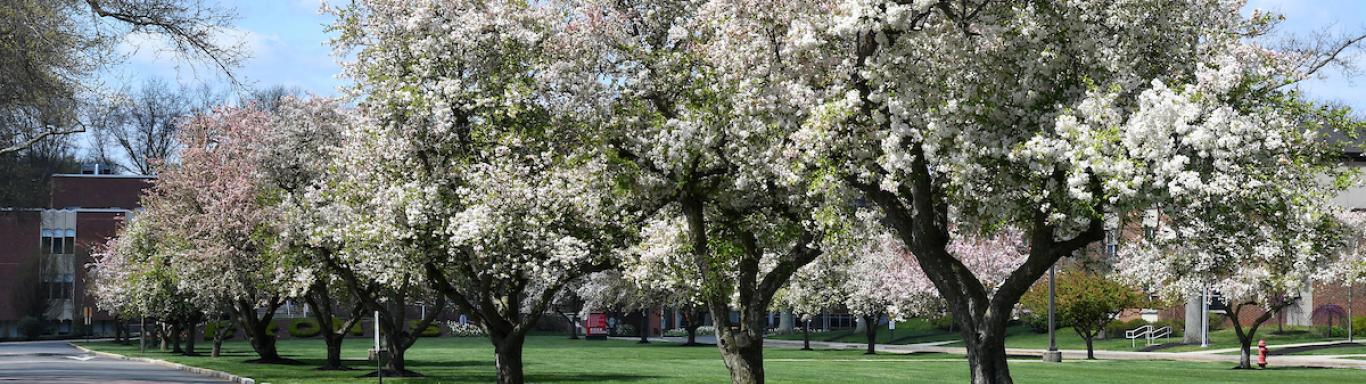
(59,362)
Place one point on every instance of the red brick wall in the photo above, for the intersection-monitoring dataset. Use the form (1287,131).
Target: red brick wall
(19,232)
(1325,294)
(93,229)
(71,191)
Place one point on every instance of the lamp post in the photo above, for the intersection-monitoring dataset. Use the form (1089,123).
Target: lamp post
(379,355)
(1204,318)
(1052,355)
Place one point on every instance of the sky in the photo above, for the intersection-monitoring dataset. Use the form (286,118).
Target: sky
(285,41)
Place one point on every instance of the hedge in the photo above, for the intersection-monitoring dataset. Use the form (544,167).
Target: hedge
(303,328)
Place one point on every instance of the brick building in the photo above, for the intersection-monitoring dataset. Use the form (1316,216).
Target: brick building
(44,250)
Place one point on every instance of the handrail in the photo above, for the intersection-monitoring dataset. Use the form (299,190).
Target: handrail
(1163,332)
(1134,334)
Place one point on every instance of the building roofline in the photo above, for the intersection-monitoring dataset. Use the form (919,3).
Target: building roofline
(81,175)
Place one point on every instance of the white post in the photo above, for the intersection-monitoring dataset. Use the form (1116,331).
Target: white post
(379,357)
(1204,318)
(1349,311)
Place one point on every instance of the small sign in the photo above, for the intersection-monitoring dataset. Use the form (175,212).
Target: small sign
(596,326)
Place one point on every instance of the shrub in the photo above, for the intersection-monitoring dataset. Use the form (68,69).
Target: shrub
(1358,325)
(1178,326)
(431,331)
(1327,331)
(211,329)
(1216,321)
(1117,329)
(303,328)
(31,327)
(464,330)
(626,330)
(1037,323)
(707,330)
(945,322)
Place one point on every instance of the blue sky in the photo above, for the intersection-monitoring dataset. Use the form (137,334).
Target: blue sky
(288,46)
(285,41)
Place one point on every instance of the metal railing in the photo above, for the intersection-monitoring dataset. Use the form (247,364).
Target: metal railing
(1148,333)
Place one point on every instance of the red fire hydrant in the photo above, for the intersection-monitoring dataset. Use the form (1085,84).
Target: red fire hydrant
(1261,353)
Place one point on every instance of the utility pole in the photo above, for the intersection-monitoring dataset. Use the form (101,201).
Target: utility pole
(1053,355)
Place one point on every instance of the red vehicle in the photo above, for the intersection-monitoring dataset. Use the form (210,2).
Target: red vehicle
(596,326)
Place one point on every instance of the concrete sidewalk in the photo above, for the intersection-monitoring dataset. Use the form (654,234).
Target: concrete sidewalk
(1312,361)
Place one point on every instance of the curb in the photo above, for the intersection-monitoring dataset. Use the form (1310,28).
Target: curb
(196,370)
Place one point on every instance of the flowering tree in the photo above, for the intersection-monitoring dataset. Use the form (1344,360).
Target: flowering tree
(132,276)
(1351,266)
(1254,258)
(1085,301)
(457,176)
(654,272)
(1043,117)
(293,157)
(698,142)
(216,201)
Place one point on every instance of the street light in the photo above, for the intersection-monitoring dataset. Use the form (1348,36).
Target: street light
(1204,318)
(1052,355)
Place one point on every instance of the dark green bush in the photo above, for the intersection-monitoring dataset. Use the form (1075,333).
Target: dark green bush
(31,327)
(1117,329)
(1036,322)
(303,328)
(1216,321)
(1178,326)
(431,331)
(945,322)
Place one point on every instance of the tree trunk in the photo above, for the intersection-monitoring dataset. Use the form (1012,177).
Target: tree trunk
(692,319)
(870,331)
(218,337)
(320,300)
(263,342)
(398,364)
(1090,348)
(507,352)
(644,327)
(806,335)
(190,334)
(1245,336)
(987,361)
(744,356)
(163,338)
(175,338)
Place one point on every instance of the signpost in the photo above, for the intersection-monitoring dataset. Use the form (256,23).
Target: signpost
(595,328)
(88,329)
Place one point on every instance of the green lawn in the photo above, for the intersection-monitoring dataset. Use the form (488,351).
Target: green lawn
(913,331)
(552,359)
(1220,339)
(1352,349)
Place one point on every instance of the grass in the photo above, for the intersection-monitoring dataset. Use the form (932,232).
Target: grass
(913,331)
(1352,349)
(554,359)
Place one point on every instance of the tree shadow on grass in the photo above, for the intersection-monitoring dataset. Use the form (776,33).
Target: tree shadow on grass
(490,376)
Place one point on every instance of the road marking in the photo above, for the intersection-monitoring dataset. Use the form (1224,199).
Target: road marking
(81,358)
